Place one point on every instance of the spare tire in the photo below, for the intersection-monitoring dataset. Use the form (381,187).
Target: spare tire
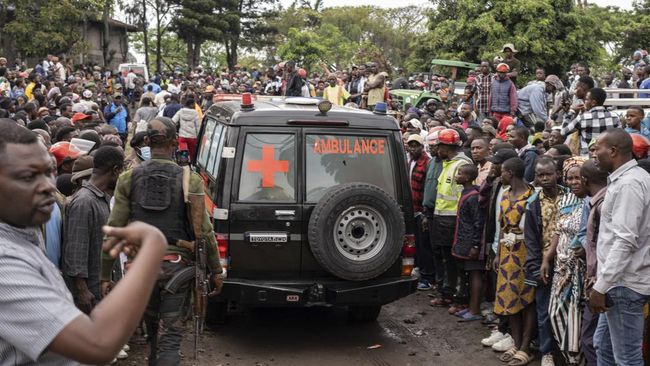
(356,231)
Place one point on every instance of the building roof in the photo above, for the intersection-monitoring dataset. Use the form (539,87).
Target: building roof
(114,23)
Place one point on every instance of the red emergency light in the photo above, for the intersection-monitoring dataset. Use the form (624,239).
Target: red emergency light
(246,102)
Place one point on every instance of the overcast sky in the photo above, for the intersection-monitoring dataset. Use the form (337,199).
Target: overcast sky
(625,4)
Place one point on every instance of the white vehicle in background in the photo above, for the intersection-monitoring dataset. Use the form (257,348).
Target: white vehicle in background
(620,105)
(138,69)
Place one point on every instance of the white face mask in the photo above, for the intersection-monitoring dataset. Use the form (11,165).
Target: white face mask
(145,153)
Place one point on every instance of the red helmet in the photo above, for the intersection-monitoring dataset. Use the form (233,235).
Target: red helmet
(449,136)
(640,146)
(63,151)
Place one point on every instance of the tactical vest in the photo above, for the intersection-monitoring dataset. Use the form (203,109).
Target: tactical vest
(157,199)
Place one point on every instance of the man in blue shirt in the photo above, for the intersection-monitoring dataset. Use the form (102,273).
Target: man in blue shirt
(117,114)
(645,84)
(53,236)
(155,88)
(532,101)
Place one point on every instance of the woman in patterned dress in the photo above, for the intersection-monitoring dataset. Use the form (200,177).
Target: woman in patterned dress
(565,306)
(514,298)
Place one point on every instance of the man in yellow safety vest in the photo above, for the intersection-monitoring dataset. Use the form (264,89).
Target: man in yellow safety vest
(444,216)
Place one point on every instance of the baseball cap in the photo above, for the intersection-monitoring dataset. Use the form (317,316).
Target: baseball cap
(503,155)
(415,123)
(417,138)
(503,67)
(79,117)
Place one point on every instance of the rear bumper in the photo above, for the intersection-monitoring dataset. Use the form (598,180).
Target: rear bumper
(315,293)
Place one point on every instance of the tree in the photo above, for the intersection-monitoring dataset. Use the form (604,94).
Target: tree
(147,13)
(634,28)
(549,33)
(305,47)
(249,28)
(198,21)
(351,33)
(173,50)
(161,10)
(41,27)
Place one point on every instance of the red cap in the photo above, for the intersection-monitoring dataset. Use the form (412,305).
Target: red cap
(502,67)
(79,117)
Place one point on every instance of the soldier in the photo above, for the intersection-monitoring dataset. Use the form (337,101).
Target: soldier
(153,192)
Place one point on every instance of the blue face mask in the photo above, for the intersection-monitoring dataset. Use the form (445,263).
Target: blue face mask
(145,153)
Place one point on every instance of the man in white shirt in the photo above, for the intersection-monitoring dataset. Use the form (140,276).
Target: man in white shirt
(623,250)
(174,87)
(130,85)
(47,64)
(159,100)
(40,324)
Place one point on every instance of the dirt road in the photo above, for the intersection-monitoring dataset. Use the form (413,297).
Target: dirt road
(408,332)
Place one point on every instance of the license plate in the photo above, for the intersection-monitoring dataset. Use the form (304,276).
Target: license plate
(268,238)
(293,298)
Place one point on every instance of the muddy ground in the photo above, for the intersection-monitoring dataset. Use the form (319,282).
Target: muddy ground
(408,332)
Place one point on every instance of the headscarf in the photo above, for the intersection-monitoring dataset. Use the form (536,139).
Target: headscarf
(503,126)
(555,81)
(572,162)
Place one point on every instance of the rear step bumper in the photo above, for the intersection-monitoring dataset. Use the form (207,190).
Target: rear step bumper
(317,293)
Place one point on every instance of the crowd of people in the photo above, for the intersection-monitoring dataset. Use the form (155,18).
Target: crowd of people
(532,210)
(531,201)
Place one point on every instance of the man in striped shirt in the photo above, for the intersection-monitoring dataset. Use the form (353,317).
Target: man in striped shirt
(40,324)
(596,120)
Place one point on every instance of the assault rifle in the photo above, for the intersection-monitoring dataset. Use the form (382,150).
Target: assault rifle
(195,211)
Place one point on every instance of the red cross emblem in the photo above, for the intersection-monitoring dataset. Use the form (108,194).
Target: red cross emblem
(268,166)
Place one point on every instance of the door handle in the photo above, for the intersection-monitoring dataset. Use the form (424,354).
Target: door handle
(279,213)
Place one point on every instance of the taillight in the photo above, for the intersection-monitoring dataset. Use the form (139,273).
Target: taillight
(222,244)
(408,254)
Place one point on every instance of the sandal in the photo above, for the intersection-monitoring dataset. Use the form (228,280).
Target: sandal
(455,308)
(462,312)
(469,317)
(521,358)
(440,302)
(508,355)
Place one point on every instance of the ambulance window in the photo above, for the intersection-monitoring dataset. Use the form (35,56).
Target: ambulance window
(339,159)
(268,172)
(211,146)
(206,142)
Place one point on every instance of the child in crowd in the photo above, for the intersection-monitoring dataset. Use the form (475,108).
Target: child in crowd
(467,239)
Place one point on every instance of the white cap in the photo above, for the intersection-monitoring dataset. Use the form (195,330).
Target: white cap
(415,123)
(417,138)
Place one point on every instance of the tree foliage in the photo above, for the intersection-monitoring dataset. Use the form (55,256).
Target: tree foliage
(549,33)
(41,27)
(250,29)
(634,28)
(198,21)
(346,35)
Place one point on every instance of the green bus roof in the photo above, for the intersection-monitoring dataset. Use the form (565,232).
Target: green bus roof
(450,63)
